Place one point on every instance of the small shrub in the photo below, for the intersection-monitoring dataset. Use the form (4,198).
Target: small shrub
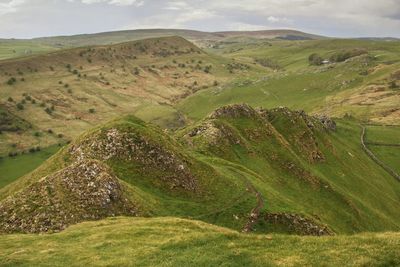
(11,81)
(10,99)
(20,106)
(92,110)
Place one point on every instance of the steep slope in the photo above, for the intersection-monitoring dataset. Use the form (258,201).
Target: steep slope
(252,170)
(82,87)
(123,168)
(302,165)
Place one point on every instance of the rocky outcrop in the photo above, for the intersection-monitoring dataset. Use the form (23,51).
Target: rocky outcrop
(86,190)
(296,224)
(134,147)
(234,111)
(327,122)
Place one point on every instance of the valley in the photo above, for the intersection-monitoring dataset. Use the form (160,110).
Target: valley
(164,144)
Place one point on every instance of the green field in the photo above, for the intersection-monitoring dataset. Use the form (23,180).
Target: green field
(186,147)
(383,134)
(14,49)
(177,242)
(11,168)
(389,155)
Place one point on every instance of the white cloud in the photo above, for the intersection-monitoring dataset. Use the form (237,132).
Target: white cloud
(10,6)
(113,2)
(328,17)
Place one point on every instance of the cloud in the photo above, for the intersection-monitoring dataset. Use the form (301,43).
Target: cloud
(343,18)
(10,6)
(113,2)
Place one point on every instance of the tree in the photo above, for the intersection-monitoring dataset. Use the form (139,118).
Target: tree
(315,59)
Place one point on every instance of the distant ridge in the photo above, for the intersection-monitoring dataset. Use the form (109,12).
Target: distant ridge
(198,37)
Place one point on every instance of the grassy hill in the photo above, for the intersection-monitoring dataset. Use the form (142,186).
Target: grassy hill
(363,86)
(239,168)
(191,166)
(82,87)
(10,48)
(177,242)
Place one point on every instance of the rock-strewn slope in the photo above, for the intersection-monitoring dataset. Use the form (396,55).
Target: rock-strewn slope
(85,190)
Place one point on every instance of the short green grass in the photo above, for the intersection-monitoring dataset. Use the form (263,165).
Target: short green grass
(177,242)
(21,48)
(11,168)
(390,155)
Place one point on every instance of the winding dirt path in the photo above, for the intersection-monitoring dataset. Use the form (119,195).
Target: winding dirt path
(375,158)
(256,211)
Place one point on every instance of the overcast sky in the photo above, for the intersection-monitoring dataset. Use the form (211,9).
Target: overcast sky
(340,18)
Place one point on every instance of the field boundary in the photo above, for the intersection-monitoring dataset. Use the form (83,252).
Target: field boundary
(375,158)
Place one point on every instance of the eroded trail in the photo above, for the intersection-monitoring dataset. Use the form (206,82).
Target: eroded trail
(255,212)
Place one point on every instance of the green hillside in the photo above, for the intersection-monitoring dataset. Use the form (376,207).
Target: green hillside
(176,147)
(364,86)
(177,242)
(64,93)
(252,170)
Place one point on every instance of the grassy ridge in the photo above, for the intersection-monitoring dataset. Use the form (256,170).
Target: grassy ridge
(177,242)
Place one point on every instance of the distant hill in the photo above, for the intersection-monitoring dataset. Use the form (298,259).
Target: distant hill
(80,87)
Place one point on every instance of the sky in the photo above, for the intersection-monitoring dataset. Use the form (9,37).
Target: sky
(335,18)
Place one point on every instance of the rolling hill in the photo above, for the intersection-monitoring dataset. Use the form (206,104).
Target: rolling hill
(178,147)
(81,87)
(239,168)
(18,47)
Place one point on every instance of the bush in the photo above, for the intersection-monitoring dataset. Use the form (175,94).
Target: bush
(268,63)
(346,54)
(10,99)
(48,111)
(11,81)
(60,135)
(20,106)
(393,85)
(92,110)
(315,59)
(12,154)
(37,134)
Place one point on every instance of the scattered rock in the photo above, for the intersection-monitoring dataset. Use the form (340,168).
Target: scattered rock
(297,224)
(86,190)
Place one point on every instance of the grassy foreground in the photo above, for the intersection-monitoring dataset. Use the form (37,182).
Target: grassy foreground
(177,242)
